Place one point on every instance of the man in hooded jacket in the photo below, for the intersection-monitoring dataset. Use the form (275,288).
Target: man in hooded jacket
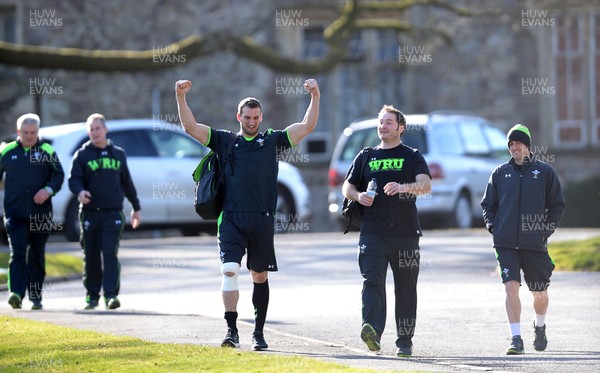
(522,206)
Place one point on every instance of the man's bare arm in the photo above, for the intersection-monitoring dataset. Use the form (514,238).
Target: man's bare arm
(197,130)
(300,130)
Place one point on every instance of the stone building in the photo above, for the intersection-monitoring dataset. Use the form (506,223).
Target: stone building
(532,62)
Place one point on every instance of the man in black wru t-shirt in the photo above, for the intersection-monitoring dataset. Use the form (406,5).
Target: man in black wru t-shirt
(390,229)
(247,222)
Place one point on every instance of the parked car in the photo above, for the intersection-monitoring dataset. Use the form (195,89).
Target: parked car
(461,151)
(161,158)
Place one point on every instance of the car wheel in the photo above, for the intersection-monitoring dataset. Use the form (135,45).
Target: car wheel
(285,211)
(461,216)
(72,227)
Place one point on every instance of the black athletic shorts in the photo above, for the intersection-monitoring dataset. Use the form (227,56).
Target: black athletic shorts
(537,267)
(251,232)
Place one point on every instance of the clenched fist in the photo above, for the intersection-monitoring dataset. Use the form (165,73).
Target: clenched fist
(182,87)
(312,87)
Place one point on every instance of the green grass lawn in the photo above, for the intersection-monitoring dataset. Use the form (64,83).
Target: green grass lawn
(33,345)
(579,255)
(56,265)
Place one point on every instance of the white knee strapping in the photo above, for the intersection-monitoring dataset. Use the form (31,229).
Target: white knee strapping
(230,283)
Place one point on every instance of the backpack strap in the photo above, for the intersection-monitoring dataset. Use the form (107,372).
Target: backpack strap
(227,157)
(365,161)
(366,155)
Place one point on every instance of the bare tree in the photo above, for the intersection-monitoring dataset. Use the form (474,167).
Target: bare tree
(354,15)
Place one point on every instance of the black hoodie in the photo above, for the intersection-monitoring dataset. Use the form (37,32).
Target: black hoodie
(104,173)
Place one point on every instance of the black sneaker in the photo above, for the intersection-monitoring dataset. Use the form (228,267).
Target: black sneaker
(370,336)
(37,305)
(113,303)
(14,300)
(91,304)
(258,341)
(541,342)
(404,351)
(516,346)
(232,339)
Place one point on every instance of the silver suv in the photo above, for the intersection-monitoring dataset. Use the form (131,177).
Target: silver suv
(461,151)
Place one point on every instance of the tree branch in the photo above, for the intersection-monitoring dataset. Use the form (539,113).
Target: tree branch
(336,35)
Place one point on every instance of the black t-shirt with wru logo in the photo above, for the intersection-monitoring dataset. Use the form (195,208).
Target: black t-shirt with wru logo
(390,215)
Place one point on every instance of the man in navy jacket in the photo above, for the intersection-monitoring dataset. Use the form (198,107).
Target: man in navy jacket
(33,176)
(522,206)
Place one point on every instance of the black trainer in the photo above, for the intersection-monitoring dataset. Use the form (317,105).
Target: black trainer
(113,303)
(258,341)
(404,351)
(370,336)
(15,301)
(91,304)
(540,342)
(516,346)
(232,339)
(36,305)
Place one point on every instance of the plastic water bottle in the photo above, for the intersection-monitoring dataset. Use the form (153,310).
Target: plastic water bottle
(372,188)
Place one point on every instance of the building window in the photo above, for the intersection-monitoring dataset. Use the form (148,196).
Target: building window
(595,78)
(355,51)
(8,28)
(569,70)
(314,43)
(387,46)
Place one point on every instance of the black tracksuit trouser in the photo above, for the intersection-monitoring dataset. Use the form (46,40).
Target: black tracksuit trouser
(100,236)
(403,256)
(27,266)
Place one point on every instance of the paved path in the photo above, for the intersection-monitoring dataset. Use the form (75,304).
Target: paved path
(171,293)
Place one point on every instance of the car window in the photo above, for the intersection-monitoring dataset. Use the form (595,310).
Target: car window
(135,142)
(474,141)
(414,136)
(176,145)
(357,141)
(446,139)
(497,141)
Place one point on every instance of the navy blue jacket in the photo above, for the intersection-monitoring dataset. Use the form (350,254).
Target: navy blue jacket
(523,208)
(28,171)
